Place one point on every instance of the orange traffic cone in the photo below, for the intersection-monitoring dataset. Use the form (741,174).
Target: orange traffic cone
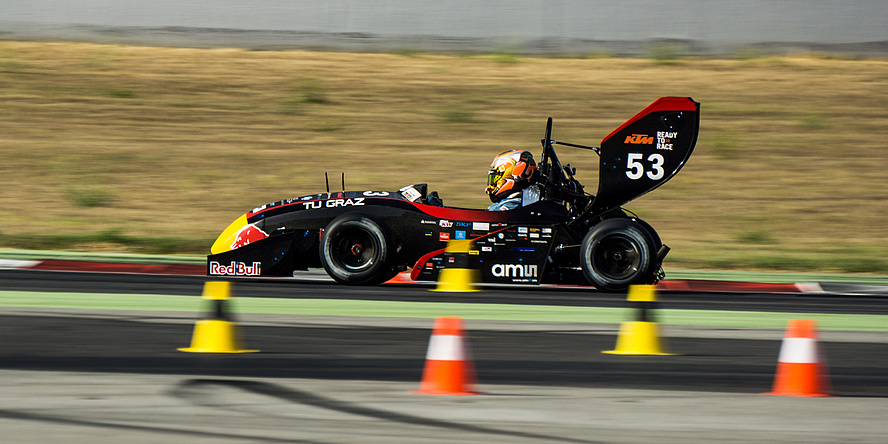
(400,278)
(800,370)
(448,368)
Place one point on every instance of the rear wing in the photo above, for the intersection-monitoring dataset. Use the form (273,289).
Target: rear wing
(646,151)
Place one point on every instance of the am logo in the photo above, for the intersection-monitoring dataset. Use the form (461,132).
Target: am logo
(514,270)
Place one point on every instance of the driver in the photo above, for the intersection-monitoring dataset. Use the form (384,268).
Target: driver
(510,173)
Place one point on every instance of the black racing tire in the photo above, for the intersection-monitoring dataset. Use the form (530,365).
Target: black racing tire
(657,243)
(356,249)
(617,253)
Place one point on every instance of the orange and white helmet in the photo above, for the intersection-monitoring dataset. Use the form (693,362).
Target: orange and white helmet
(510,171)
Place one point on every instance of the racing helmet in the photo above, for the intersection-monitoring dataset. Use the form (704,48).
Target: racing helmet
(510,171)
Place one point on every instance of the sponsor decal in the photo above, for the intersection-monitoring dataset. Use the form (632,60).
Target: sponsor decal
(247,235)
(524,249)
(501,235)
(235,269)
(639,139)
(444,223)
(443,237)
(462,224)
(258,209)
(664,139)
(429,233)
(514,270)
(429,265)
(486,249)
(522,229)
(428,222)
(459,234)
(534,235)
(410,193)
(334,203)
(547,230)
(480,226)
(539,242)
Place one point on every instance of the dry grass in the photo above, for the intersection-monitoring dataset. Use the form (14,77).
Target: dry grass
(789,171)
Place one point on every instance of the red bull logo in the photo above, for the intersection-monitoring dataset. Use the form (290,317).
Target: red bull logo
(248,235)
(235,269)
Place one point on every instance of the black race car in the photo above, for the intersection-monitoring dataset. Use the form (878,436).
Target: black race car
(566,236)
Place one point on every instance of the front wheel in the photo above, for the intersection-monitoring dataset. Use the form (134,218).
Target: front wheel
(617,253)
(357,250)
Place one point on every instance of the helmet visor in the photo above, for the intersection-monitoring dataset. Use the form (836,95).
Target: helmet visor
(492,177)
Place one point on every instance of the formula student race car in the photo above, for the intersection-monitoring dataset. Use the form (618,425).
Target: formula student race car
(561,234)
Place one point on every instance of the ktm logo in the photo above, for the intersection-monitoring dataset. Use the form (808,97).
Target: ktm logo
(639,139)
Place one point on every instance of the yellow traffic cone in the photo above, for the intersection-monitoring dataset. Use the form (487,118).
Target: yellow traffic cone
(217,334)
(640,337)
(457,277)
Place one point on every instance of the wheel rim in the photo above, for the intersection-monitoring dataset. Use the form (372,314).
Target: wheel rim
(617,257)
(355,249)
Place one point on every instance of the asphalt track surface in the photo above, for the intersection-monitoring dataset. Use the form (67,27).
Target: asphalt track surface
(97,376)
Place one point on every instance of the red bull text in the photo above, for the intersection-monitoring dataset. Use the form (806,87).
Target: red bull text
(235,269)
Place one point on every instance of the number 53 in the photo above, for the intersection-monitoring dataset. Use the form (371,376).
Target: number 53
(635,169)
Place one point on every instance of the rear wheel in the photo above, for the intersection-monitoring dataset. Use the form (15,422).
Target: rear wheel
(617,253)
(357,250)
